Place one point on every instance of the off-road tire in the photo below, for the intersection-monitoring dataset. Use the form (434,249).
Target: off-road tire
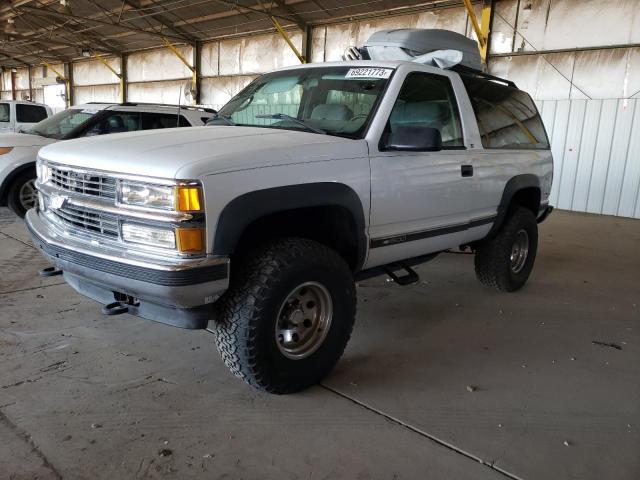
(245,323)
(493,256)
(13,193)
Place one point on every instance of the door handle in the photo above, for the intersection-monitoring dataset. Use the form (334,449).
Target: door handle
(466,170)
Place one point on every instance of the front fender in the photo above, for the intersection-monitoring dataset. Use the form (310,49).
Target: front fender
(240,212)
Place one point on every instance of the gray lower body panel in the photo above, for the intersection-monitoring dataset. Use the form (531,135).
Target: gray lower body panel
(179,297)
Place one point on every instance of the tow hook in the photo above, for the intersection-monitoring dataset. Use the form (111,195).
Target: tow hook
(50,272)
(115,308)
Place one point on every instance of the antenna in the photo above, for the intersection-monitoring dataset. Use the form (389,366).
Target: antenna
(179,106)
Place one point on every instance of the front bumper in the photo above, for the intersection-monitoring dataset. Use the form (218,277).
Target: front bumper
(179,293)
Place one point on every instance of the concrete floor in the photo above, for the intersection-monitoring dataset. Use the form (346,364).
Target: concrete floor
(87,396)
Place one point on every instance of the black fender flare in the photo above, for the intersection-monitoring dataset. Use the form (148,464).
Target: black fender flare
(240,212)
(515,184)
(4,188)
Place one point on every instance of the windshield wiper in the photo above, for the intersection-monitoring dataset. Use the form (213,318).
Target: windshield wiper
(224,118)
(284,116)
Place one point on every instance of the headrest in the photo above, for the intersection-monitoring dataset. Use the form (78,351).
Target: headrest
(331,111)
(115,122)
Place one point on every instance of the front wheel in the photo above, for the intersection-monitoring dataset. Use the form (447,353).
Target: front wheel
(287,316)
(22,194)
(506,260)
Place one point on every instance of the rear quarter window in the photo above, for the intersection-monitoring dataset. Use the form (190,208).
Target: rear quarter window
(30,113)
(5,112)
(152,121)
(507,117)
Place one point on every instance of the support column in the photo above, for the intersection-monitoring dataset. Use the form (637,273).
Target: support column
(30,84)
(13,83)
(197,65)
(124,83)
(69,76)
(307,43)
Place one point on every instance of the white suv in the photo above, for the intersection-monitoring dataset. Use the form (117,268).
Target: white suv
(18,115)
(18,151)
(311,178)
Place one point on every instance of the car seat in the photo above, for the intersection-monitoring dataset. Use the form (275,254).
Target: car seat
(115,124)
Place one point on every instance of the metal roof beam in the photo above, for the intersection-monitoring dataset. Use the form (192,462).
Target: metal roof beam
(302,25)
(164,21)
(11,57)
(66,16)
(259,10)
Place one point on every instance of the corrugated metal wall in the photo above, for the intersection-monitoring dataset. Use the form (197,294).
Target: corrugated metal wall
(94,82)
(596,149)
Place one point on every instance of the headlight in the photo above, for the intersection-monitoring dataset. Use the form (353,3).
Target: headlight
(145,195)
(43,172)
(176,198)
(4,150)
(153,237)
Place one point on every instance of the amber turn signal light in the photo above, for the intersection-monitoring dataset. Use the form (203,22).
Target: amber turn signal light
(189,199)
(190,240)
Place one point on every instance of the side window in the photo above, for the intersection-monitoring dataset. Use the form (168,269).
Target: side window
(30,113)
(5,112)
(152,121)
(428,100)
(116,122)
(507,117)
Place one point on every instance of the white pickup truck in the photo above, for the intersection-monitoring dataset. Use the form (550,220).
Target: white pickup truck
(312,177)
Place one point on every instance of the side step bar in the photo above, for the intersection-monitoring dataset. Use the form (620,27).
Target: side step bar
(410,276)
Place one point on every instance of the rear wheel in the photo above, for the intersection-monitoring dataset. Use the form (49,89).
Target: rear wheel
(22,194)
(287,316)
(506,260)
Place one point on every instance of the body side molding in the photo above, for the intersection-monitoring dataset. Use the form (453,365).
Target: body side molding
(433,232)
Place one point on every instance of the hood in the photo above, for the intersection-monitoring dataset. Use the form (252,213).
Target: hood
(190,153)
(23,140)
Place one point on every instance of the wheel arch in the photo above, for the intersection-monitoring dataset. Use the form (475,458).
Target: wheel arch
(523,190)
(6,184)
(288,208)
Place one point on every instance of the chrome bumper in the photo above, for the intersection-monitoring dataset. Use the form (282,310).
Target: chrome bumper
(179,292)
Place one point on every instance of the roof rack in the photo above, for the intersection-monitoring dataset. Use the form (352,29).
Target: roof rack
(135,104)
(479,74)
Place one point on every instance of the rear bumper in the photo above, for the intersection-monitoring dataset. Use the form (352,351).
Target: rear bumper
(179,293)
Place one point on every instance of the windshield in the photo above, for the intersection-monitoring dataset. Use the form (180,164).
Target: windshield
(62,123)
(332,100)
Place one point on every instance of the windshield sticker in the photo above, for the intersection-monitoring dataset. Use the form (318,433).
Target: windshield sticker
(89,110)
(369,72)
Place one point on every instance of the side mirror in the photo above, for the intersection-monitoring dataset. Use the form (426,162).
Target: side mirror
(414,139)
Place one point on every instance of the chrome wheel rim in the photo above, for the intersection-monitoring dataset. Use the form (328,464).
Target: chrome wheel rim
(519,251)
(28,195)
(304,320)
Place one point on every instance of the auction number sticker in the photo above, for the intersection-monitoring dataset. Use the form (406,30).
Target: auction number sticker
(369,72)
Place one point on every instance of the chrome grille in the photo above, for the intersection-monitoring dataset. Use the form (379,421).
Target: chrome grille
(84,183)
(93,222)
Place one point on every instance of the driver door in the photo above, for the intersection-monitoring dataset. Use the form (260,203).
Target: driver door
(420,200)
